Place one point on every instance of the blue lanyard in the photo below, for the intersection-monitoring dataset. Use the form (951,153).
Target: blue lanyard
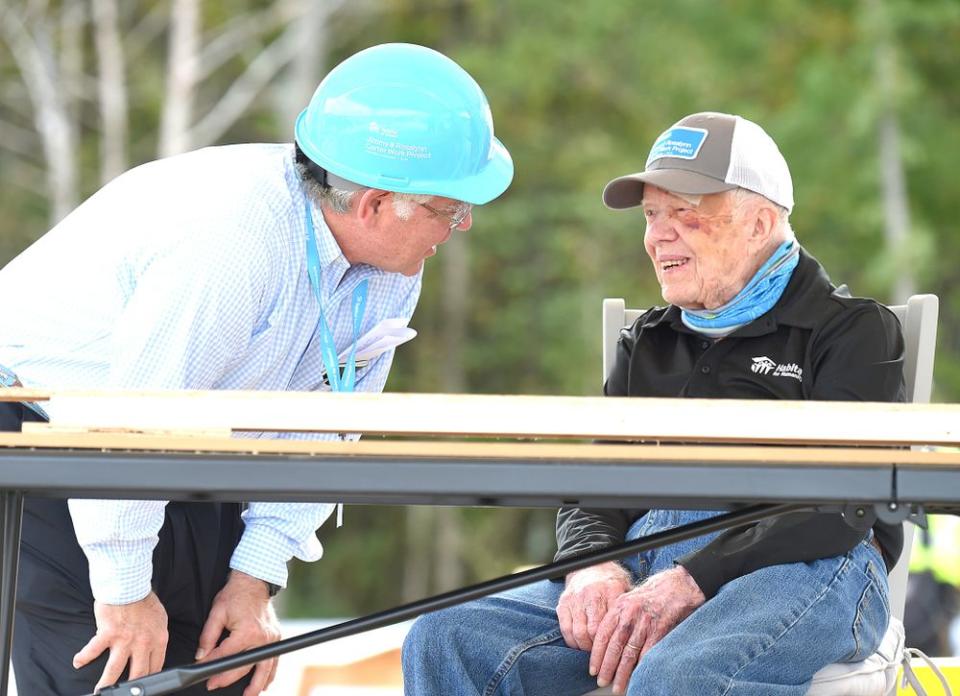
(328,349)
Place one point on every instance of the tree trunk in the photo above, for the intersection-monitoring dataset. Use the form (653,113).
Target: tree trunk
(307,66)
(73,17)
(112,89)
(181,77)
(32,49)
(896,205)
(417,556)
(449,570)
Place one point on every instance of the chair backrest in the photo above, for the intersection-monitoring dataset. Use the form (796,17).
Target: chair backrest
(919,321)
(918,317)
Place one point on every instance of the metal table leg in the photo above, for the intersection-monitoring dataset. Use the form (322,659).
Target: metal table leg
(11,512)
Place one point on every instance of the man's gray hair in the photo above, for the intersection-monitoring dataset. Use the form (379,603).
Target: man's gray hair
(338,200)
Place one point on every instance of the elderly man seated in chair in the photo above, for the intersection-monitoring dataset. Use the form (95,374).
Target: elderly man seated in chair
(753,611)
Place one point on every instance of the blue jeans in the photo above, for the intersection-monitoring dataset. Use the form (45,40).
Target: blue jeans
(763,634)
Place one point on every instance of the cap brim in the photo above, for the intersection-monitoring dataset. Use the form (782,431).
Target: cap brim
(627,191)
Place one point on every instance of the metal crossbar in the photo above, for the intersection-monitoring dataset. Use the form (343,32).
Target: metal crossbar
(170,680)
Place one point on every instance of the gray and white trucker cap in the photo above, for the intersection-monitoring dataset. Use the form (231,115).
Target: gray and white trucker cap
(708,153)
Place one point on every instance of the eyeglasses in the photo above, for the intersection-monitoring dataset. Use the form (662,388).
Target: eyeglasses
(455,218)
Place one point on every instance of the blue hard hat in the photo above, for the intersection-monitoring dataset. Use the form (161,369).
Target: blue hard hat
(405,118)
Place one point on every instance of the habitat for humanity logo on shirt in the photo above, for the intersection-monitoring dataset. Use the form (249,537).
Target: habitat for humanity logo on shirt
(763,365)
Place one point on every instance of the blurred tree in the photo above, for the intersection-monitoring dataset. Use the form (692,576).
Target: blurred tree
(30,34)
(112,88)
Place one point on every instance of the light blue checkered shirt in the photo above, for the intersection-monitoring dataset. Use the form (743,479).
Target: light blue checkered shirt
(189,273)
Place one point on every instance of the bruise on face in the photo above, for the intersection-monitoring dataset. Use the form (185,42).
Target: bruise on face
(709,244)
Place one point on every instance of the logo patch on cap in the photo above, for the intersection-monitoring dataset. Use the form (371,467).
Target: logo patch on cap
(680,142)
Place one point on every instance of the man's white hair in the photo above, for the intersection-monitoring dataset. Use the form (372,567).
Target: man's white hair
(405,203)
(783,232)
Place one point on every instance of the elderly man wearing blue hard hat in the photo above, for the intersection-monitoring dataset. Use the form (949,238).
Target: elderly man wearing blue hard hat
(278,267)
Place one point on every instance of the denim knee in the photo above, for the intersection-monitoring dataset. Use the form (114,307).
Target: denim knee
(427,636)
(458,634)
(660,674)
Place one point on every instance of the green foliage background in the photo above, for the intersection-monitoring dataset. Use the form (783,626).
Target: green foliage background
(579,90)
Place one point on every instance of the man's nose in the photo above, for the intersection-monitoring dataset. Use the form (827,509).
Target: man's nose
(661,227)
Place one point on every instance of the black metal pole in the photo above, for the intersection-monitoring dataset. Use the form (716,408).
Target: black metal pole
(179,677)
(11,514)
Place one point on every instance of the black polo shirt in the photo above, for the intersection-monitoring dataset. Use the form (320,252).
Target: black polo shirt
(817,343)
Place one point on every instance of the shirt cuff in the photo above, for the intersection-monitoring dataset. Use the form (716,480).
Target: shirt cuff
(120,571)
(262,553)
(706,568)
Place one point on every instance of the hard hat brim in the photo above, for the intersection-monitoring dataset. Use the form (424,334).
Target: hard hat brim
(483,186)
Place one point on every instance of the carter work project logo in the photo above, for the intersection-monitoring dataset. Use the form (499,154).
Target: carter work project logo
(762,365)
(383,130)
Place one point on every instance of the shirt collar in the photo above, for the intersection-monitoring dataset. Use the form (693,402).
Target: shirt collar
(333,264)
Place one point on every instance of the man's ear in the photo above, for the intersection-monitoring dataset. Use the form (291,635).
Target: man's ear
(766,223)
(370,207)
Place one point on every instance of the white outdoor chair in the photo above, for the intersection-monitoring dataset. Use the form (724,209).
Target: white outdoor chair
(876,675)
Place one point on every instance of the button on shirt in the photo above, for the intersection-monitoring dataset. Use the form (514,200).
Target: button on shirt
(190,273)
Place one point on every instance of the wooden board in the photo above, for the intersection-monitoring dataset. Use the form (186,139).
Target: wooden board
(686,420)
(414,449)
(24,394)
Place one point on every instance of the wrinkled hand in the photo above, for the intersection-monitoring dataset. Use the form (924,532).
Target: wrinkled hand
(244,609)
(134,633)
(589,593)
(638,620)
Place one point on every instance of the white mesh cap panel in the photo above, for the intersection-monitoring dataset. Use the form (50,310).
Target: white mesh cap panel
(757,165)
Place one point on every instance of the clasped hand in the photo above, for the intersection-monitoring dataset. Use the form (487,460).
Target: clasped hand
(598,611)
(136,634)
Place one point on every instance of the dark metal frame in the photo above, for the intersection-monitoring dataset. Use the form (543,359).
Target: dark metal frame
(11,511)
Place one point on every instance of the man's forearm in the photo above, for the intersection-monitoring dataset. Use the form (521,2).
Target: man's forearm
(118,538)
(801,536)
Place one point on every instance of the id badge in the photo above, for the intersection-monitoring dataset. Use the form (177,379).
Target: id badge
(325,378)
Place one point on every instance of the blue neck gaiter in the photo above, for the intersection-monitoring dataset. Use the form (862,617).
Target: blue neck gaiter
(756,298)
